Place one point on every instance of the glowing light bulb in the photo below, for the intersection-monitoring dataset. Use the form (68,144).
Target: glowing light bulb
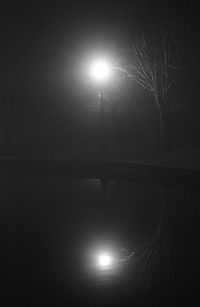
(100,70)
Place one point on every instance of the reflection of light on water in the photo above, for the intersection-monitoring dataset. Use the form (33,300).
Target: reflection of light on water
(106,261)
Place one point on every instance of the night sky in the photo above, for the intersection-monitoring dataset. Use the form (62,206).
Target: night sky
(43,50)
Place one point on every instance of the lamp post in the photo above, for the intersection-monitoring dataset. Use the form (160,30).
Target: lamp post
(100,71)
(103,142)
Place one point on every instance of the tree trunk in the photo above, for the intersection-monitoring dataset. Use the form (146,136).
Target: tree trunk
(164,131)
(163,109)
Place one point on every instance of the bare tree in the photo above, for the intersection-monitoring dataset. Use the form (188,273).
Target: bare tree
(154,62)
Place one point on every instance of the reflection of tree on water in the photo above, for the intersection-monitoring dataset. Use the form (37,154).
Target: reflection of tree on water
(154,256)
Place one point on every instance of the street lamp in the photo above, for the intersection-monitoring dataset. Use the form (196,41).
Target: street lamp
(101,71)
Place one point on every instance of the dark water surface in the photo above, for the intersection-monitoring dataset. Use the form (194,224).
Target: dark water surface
(52,224)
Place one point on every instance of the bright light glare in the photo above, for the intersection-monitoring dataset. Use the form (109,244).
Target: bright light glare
(105,260)
(100,70)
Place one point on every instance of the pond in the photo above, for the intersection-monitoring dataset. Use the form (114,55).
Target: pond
(95,242)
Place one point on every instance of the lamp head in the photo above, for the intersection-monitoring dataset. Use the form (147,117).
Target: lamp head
(100,70)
